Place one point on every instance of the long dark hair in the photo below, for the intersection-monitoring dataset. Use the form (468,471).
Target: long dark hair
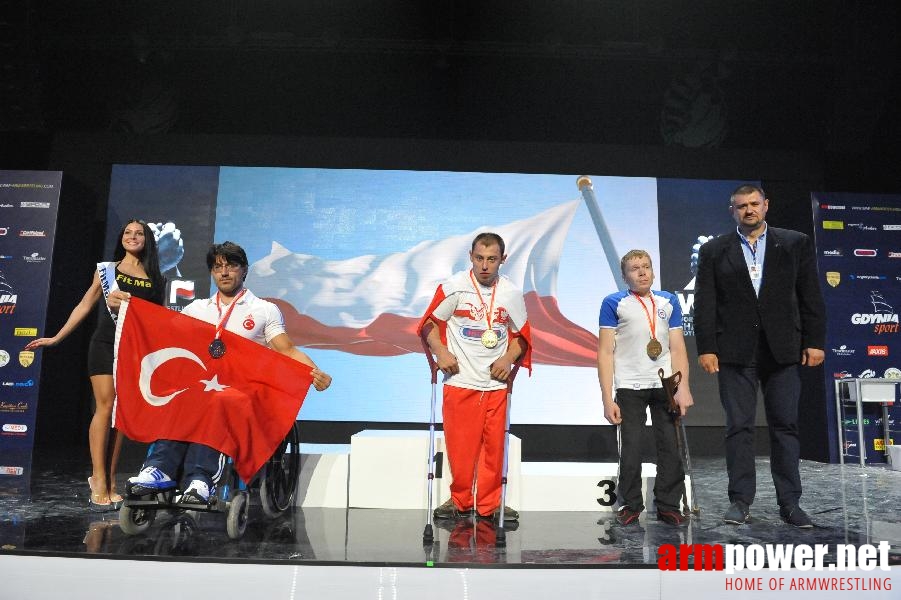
(149,256)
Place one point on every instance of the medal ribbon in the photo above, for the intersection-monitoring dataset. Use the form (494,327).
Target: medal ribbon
(652,323)
(228,313)
(491,308)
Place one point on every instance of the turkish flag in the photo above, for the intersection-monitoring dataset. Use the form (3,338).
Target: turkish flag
(169,387)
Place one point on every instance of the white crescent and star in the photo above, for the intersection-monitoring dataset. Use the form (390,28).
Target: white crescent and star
(154,360)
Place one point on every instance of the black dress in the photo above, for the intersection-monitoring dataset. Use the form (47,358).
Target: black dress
(100,352)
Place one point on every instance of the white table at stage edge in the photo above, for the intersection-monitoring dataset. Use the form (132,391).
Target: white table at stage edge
(861,391)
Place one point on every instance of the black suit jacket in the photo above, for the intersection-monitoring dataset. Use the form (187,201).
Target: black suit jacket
(728,316)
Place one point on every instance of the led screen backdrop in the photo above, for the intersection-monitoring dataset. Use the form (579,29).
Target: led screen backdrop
(352,257)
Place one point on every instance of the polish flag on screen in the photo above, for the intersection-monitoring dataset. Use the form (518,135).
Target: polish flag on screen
(169,387)
(371,305)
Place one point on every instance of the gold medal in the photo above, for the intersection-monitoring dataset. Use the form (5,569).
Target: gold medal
(489,338)
(654,349)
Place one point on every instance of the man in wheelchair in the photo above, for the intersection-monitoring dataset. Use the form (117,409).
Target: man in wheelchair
(238,310)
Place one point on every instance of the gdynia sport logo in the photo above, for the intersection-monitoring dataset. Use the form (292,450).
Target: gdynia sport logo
(754,558)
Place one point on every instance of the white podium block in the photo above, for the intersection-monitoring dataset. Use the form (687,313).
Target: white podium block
(389,469)
(322,481)
(565,486)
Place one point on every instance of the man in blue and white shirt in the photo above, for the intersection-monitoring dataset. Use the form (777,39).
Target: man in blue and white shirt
(641,332)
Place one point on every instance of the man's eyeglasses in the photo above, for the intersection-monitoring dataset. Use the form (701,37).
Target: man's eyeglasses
(225,268)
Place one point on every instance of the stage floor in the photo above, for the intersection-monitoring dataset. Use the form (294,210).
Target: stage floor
(849,505)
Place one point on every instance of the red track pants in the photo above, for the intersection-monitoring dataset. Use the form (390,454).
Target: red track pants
(474,423)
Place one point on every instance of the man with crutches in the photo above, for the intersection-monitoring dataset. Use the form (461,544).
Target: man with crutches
(640,333)
(477,328)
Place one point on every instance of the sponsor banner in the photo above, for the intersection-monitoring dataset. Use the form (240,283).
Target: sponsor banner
(863,298)
(29,202)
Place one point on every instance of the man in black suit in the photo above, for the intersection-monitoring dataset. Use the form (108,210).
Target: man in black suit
(758,313)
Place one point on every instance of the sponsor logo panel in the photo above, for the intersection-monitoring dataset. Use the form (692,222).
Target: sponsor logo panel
(12,407)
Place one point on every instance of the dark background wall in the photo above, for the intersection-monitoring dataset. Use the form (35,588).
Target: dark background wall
(801,97)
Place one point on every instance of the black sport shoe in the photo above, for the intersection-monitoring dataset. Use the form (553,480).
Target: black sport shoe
(627,515)
(738,514)
(796,517)
(673,517)
(449,510)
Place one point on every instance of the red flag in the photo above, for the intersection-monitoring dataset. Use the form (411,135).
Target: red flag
(169,387)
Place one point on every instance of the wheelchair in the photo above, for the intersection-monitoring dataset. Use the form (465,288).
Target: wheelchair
(276,482)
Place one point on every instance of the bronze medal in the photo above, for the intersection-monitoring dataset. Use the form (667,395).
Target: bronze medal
(654,349)
(217,348)
(489,338)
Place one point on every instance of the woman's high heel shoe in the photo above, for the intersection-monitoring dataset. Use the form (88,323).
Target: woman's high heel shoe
(95,500)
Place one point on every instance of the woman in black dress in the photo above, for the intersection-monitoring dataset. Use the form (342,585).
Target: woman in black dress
(135,270)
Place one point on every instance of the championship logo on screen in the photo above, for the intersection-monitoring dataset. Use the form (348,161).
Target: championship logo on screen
(4,358)
(892,373)
(170,247)
(883,319)
(833,278)
(687,295)
(26,357)
(8,297)
(180,293)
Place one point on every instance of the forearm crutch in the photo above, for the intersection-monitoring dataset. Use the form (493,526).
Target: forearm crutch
(670,386)
(501,536)
(428,534)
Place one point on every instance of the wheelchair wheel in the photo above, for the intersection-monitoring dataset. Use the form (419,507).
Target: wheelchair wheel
(238,510)
(134,521)
(278,482)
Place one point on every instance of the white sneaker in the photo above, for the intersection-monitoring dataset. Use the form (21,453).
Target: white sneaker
(149,480)
(197,491)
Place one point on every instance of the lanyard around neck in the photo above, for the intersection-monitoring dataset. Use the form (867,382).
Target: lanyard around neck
(652,323)
(224,319)
(493,295)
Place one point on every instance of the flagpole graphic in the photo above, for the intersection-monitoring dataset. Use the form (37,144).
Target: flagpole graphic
(600,226)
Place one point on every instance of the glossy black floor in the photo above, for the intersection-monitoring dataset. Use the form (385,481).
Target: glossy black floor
(849,504)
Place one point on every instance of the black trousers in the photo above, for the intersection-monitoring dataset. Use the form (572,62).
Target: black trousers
(781,385)
(670,482)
